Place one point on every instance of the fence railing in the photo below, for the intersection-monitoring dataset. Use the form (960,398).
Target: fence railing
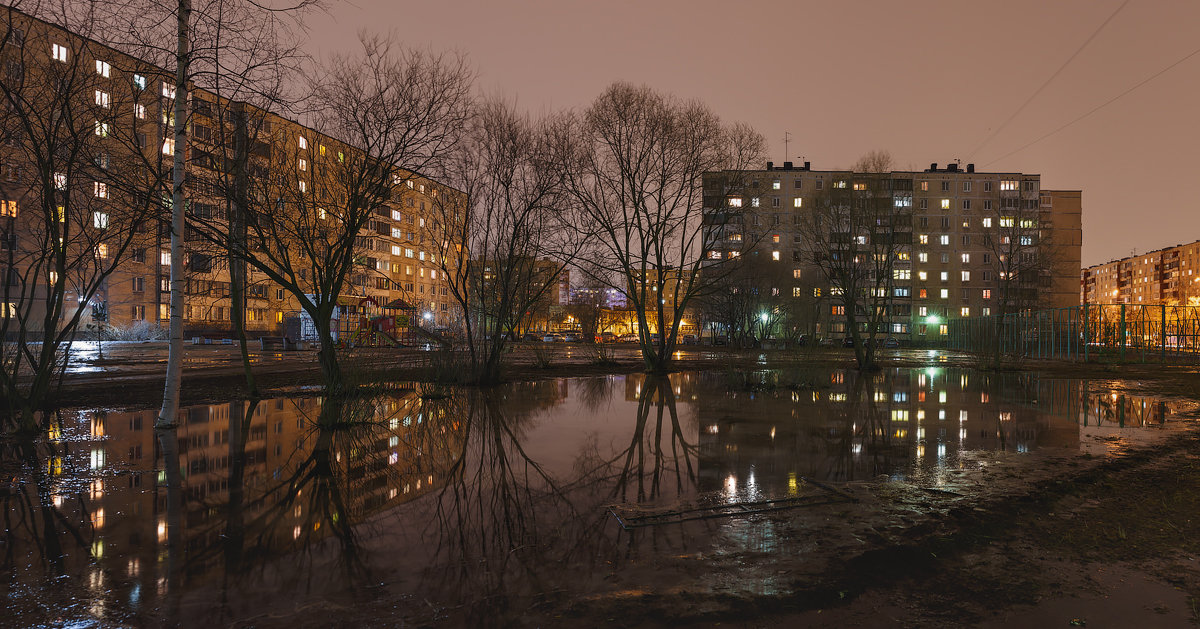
(1112,332)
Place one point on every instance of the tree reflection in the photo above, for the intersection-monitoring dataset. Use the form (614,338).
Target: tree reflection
(658,451)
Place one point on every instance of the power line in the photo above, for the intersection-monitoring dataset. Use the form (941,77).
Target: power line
(1048,81)
(1100,106)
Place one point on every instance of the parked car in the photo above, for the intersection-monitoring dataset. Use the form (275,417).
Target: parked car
(891,342)
(628,338)
(607,337)
(848,341)
(570,337)
(552,338)
(530,336)
(720,340)
(802,340)
(690,339)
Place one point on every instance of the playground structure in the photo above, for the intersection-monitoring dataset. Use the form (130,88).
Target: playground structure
(363,322)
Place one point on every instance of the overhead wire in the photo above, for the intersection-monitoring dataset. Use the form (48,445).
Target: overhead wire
(1100,106)
(1048,80)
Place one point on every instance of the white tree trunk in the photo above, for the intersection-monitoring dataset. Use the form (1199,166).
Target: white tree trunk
(168,415)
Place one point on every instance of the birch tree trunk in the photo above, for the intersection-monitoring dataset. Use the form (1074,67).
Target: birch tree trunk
(167,416)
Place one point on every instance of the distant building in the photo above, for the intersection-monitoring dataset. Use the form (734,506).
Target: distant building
(953,224)
(1165,276)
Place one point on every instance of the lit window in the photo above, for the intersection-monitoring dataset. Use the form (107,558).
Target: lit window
(303,186)
(797,202)
(168,90)
(59,52)
(922,257)
(987,293)
(102,129)
(102,248)
(925,185)
(923,239)
(302,164)
(714,255)
(987,222)
(943,329)
(408,253)
(100,189)
(922,275)
(966,258)
(139,81)
(775,185)
(8,208)
(735,202)
(60,181)
(775,238)
(102,99)
(755,202)
(164,258)
(139,111)
(839,184)
(945,294)
(944,239)
(774,255)
(966,276)
(395,250)
(922,311)
(945,204)
(966,312)
(168,147)
(102,68)
(945,276)
(1008,185)
(303,142)
(321,213)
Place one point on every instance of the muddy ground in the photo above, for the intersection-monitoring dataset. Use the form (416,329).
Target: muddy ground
(1071,541)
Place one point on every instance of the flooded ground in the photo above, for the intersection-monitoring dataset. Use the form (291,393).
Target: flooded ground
(466,507)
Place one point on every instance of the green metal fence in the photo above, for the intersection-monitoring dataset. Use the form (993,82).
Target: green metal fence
(1114,332)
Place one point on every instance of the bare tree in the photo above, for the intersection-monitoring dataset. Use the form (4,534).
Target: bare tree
(378,119)
(635,168)
(1018,238)
(854,232)
(81,187)
(510,218)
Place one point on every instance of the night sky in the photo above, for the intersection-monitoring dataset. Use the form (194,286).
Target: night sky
(929,81)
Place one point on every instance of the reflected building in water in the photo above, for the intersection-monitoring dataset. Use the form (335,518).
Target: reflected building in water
(765,438)
(261,480)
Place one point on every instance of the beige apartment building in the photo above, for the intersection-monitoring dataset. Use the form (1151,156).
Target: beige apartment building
(132,104)
(965,240)
(1165,276)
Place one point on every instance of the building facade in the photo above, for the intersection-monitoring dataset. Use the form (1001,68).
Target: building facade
(1163,277)
(961,243)
(238,154)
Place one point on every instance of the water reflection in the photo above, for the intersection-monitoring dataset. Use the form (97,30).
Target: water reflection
(473,506)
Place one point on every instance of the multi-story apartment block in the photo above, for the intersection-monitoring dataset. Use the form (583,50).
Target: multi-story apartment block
(1166,276)
(238,155)
(966,243)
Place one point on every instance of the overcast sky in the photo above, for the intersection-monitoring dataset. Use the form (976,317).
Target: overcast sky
(929,81)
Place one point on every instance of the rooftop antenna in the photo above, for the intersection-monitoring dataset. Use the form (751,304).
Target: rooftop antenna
(787,138)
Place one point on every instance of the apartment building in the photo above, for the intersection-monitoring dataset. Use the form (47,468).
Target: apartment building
(1165,276)
(116,198)
(961,243)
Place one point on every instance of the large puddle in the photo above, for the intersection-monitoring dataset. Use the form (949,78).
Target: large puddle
(475,506)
